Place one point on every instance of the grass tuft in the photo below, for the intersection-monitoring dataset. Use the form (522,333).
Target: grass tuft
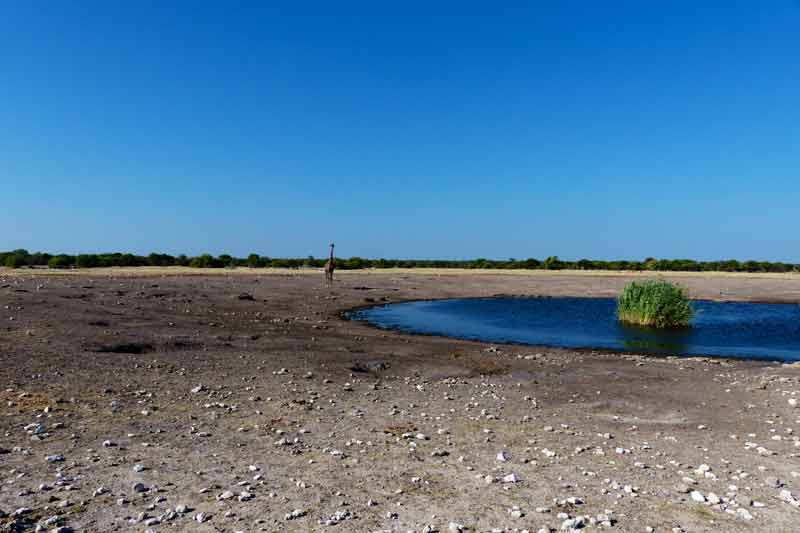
(653,303)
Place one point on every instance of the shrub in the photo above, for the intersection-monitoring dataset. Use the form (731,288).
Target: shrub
(60,261)
(654,303)
(553,263)
(160,260)
(87,261)
(15,260)
(205,261)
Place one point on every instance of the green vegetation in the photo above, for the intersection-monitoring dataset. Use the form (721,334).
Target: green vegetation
(654,303)
(14,260)
(61,261)
(22,258)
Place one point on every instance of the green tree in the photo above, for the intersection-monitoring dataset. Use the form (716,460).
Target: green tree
(87,261)
(61,261)
(553,263)
(15,260)
(203,261)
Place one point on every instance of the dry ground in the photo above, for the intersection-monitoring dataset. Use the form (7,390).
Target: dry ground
(278,402)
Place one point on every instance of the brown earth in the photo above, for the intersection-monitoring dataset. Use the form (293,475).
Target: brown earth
(402,432)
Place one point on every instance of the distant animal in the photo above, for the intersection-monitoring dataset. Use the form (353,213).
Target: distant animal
(329,268)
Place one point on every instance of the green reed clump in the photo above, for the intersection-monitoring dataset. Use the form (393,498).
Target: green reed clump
(654,303)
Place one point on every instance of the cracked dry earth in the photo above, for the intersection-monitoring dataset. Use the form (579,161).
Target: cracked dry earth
(245,403)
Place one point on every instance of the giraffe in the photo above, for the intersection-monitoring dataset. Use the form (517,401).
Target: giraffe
(329,267)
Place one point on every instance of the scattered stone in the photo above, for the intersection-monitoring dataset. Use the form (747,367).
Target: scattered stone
(335,518)
(787,497)
(296,513)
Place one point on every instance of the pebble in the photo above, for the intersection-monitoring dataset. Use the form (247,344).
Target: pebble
(789,498)
(296,513)
(573,523)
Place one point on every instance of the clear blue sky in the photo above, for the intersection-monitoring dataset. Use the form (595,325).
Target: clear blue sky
(619,129)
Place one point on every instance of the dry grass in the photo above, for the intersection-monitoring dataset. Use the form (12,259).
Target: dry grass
(146,271)
(20,402)
(480,364)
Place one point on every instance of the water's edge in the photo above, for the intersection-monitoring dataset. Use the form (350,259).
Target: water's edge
(351,314)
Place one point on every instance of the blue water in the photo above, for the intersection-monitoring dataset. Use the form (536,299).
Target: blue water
(727,329)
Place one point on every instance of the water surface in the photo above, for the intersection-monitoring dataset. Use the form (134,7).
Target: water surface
(727,329)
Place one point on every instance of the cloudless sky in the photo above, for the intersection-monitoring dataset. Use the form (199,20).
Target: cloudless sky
(614,129)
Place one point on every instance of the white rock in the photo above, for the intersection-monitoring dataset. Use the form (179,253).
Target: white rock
(296,513)
(572,523)
(787,497)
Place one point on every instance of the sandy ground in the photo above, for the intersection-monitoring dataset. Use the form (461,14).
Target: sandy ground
(243,402)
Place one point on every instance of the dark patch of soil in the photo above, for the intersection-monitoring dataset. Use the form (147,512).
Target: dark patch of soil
(135,348)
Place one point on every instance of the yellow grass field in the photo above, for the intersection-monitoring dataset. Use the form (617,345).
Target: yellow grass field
(146,271)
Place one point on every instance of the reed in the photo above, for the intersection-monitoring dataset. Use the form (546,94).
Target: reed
(653,303)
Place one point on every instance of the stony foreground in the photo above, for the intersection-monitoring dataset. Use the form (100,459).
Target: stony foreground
(245,403)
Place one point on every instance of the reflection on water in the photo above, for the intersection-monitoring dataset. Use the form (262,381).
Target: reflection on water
(643,339)
(729,329)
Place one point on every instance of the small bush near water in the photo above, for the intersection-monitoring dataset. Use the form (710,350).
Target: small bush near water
(654,303)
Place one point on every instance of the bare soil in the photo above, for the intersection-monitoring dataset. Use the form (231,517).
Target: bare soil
(254,384)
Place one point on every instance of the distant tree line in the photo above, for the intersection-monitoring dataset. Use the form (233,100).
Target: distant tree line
(22,258)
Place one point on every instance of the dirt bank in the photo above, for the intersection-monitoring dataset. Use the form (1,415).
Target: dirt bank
(140,402)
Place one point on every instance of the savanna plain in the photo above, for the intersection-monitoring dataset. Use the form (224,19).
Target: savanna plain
(243,400)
